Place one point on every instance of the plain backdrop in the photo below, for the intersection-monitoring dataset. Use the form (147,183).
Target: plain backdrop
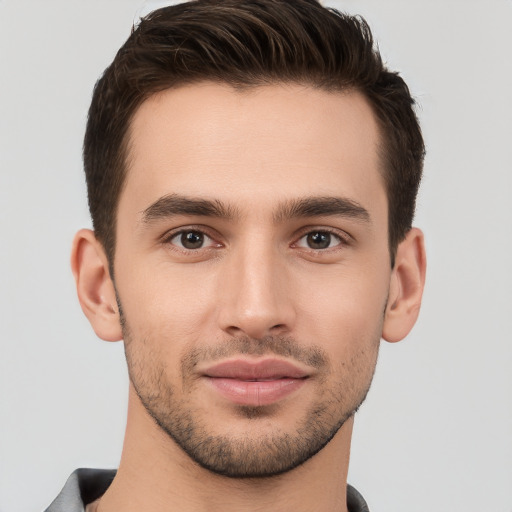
(436,430)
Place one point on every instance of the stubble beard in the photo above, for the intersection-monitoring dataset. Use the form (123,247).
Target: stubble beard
(251,455)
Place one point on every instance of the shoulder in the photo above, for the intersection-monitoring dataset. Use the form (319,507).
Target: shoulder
(83,486)
(355,502)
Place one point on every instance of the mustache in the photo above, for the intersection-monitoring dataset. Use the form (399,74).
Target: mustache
(283,346)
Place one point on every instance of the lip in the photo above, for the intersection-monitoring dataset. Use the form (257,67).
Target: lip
(255,383)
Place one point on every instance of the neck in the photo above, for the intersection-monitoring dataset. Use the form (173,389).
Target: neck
(155,475)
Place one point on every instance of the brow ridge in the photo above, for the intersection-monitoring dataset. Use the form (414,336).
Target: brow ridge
(322,206)
(175,204)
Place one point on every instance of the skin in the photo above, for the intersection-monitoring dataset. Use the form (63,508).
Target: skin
(256,284)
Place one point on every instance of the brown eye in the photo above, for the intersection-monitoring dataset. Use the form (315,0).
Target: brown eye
(319,240)
(190,239)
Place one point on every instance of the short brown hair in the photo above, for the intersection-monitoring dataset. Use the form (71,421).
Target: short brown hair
(248,43)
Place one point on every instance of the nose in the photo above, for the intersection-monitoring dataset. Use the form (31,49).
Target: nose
(256,298)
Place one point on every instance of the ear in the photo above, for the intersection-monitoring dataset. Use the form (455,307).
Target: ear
(94,286)
(406,287)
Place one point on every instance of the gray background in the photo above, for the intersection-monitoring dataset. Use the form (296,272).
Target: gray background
(436,430)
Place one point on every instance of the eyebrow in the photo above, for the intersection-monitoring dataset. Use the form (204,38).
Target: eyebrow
(320,207)
(175,204)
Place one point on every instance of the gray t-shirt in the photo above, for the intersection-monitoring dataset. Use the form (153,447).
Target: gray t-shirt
(86,485)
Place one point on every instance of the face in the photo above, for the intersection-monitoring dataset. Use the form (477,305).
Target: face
(252,269)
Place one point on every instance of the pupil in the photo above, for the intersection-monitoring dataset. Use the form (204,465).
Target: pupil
(192,240)
(319,240)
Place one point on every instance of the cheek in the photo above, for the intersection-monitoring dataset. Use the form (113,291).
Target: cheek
(162,303)
(346,311)
(348,323)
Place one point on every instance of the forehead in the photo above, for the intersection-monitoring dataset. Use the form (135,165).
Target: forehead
(253,147)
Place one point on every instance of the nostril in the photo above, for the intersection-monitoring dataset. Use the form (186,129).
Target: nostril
(233,329)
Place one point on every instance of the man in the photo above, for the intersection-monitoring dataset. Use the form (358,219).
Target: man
(252,170)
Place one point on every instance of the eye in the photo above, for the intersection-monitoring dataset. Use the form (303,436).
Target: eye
(191,239)
(319,240)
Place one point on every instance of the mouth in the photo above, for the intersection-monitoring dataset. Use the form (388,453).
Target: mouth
(255,383)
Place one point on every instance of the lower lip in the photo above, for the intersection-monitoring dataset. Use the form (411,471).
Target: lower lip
(255,393)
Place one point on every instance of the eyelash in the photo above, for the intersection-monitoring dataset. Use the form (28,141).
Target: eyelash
(167,238)
(344,239)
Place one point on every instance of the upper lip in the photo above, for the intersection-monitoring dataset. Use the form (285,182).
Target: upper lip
(266,369)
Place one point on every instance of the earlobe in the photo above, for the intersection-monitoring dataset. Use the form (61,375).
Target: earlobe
(94,286)
(406,287)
